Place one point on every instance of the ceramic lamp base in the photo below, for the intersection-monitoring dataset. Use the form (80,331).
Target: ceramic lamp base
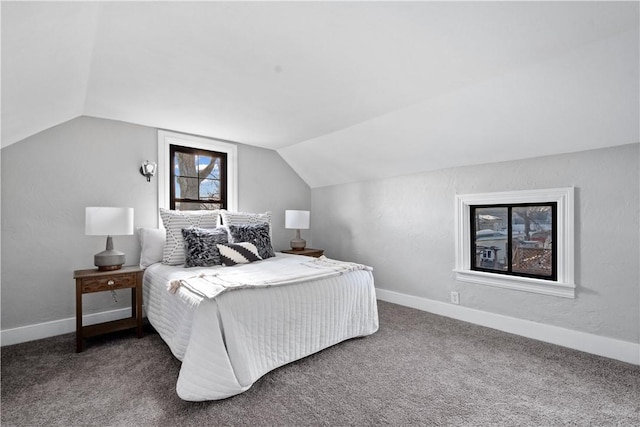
(298,243)
(109,259)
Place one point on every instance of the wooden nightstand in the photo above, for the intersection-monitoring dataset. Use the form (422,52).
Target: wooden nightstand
(316,253)
(93,280)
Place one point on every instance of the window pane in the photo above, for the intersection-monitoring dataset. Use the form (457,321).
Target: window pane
(186,188)
(210,206)
(185,164)
(491,238)
(532,240)
(208,167)
(215,172)
(209,190)
(191,206)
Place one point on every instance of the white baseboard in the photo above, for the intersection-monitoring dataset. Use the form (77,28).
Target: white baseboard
(58,327)
(602,346)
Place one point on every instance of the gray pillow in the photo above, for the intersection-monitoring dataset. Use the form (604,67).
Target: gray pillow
(258,234)
(200,246)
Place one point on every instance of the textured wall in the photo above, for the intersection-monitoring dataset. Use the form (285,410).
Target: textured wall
(48,180)
(404,228)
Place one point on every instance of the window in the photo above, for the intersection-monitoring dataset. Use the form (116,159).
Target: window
(518,240)
(196,172)
(514,239)
(198,179)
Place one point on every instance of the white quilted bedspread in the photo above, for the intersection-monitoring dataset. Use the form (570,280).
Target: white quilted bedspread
(227,343)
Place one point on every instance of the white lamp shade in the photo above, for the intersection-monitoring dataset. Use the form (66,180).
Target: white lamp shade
(101,221)
(296,219)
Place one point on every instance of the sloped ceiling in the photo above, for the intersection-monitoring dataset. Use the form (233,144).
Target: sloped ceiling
(345,91)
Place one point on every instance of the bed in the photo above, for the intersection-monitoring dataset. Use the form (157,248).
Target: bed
(228,339)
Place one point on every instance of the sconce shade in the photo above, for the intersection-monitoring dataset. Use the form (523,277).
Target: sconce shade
(296,219)
(148,169)
(102,221)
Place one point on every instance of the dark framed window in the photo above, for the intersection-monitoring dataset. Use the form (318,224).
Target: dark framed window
(515,239)
(198,179)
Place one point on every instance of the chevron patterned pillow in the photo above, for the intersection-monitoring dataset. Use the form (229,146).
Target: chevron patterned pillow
(238,253)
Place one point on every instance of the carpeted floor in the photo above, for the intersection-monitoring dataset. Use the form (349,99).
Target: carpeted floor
(418,369)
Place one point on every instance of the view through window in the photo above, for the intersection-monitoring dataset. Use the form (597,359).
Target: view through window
(515,239)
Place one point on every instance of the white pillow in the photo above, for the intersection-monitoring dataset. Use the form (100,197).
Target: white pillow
(174,222)
(152,244)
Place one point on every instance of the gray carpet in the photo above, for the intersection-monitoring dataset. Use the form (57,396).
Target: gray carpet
(418,369)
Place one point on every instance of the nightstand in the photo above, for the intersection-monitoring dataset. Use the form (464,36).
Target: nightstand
(316,253)
(93,280)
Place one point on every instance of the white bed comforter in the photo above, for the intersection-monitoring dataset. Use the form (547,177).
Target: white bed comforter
(228,342)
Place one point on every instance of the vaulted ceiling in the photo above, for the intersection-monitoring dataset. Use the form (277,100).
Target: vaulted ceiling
(345,91)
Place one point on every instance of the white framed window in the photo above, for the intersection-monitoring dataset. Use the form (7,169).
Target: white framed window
(496,263)
(167,139)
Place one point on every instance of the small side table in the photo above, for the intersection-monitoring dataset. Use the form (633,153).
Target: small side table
(316,253)
(93,280)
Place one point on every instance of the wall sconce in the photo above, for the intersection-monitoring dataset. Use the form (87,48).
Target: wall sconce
(148,169)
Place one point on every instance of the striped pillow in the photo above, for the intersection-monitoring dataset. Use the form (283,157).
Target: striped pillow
(174,222)
(238,253)
(245,218)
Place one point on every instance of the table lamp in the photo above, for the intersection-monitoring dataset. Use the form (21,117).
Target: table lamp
(297,220)
(101,221)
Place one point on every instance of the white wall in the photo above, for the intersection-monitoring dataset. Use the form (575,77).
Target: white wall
(404,228)
(48,180)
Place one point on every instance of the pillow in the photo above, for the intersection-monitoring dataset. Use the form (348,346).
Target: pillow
(244,218)
(258,234)
(238,253)
(152,244)
(174,222)
(200,246)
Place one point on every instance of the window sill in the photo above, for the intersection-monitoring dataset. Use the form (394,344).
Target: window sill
(526,284)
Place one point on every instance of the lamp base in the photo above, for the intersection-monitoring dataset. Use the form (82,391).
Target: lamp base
(109,260)
(298,243)
(109,267)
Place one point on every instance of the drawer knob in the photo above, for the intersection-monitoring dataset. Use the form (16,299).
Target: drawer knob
(111,282)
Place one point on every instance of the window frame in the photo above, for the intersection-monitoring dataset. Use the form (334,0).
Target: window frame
(564,285)
(173,149)
(509,240)
(166,139)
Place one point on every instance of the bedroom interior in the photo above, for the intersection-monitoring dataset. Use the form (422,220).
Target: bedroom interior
(371,137)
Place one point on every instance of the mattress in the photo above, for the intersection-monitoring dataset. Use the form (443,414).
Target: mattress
(228,342)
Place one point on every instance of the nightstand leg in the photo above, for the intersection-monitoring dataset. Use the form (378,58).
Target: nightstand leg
(134,302)
(78,316)
(138,304)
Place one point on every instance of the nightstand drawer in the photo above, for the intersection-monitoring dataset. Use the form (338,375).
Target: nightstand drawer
(99,284)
